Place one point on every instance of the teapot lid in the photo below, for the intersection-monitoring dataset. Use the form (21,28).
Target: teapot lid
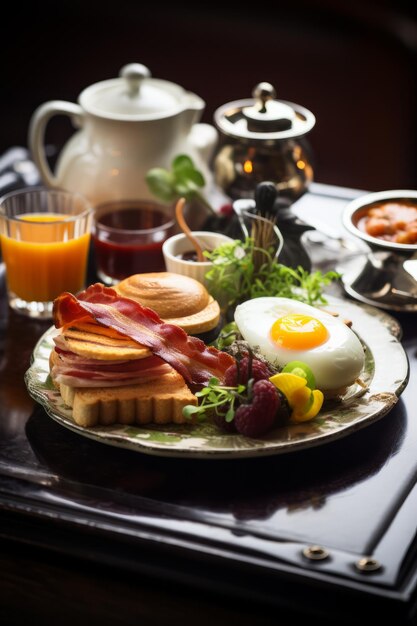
(135,96)
(263,117)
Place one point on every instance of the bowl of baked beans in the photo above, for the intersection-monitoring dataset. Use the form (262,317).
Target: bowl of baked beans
(384,219)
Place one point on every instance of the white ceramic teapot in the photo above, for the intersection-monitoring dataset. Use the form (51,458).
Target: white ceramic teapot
(125,127)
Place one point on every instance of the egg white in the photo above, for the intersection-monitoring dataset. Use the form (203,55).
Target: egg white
(336,363)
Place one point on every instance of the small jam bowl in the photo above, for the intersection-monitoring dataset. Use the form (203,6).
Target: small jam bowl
(357,209)
(177,245)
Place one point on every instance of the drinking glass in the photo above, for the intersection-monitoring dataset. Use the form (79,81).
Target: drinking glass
(128,238)
(45,236)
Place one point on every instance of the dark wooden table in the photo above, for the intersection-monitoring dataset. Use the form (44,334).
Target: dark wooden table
(95,534)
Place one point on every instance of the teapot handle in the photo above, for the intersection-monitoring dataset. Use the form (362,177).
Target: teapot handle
(37,127)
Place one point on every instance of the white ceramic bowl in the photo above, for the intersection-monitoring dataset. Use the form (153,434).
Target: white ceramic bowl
(177,245)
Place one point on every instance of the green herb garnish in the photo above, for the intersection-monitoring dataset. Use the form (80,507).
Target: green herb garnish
(182,180)
(227,336)
(215,398)
(234,277)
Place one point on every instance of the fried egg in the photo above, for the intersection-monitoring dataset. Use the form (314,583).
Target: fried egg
(284,330)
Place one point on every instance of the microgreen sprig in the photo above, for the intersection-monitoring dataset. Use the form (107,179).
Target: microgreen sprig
(233,277)
(218,398)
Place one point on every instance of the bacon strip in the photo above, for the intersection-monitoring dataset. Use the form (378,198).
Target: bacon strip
(195,361)
(76,371)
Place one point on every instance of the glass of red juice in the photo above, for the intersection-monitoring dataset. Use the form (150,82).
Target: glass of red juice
(128,237)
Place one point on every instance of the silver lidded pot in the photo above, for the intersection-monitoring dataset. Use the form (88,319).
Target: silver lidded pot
(263,139)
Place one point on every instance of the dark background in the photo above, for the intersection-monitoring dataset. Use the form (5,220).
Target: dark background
(353,64)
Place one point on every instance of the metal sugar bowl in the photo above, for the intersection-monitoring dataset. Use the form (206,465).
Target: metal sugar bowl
(263,139)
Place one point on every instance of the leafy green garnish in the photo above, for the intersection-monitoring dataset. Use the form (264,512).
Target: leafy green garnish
(182,180)
(233,277)
(228,335)
(216,398)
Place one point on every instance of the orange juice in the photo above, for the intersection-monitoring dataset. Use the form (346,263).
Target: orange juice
(44,256)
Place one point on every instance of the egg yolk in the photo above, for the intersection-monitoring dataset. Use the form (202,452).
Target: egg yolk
(298,332)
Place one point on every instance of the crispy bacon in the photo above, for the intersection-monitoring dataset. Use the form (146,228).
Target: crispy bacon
(195,361)
(76,371)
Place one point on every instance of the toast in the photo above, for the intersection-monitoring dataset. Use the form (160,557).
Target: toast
(157,401)
(107,377)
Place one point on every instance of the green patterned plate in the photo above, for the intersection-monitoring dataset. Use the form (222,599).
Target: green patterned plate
(385,375)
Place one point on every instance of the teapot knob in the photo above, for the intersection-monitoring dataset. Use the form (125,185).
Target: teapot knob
(268,114)
(264,92)
(134,73)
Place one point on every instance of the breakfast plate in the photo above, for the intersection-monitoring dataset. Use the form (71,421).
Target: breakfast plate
(384,377)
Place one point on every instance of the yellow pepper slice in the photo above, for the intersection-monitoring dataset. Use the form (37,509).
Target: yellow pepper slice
(304,402)
(316,404)
(288,383)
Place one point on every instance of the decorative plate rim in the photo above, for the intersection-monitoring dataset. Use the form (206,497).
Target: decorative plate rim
(379,331)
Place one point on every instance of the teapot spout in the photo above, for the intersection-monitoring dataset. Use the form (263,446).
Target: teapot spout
(193,110)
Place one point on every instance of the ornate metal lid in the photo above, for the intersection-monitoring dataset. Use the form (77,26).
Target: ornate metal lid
(263,117)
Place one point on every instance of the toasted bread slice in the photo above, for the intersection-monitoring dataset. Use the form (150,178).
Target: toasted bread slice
(158,401)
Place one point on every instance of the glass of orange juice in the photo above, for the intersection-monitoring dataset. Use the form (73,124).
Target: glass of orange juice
(44,237)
